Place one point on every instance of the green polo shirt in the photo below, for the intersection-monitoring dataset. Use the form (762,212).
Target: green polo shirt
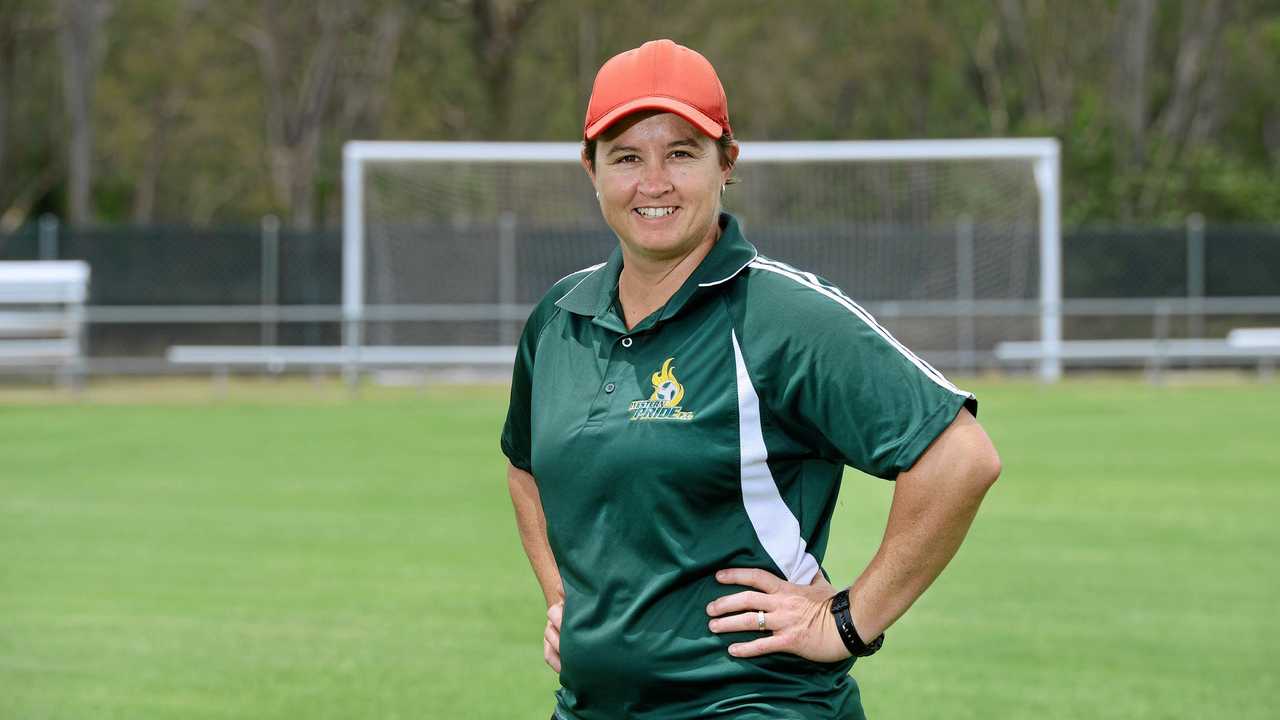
(713,434)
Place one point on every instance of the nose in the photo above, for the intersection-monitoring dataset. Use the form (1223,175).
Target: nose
(655,181)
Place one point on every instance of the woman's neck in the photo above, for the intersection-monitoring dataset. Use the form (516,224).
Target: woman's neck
(646,284)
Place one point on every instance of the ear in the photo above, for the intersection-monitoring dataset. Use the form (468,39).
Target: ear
(732,152)
(586,165)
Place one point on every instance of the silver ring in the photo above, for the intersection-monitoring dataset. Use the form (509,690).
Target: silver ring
(760,619)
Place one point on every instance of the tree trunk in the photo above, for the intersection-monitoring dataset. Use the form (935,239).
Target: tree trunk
(296,117)
(588,49)
(365,93)
(1201,24)
(991,86)
(1133,45)
(144,194)
(496,30)
(7,41)
(82,20)
(1013,17)
(165,110)
(1196,77)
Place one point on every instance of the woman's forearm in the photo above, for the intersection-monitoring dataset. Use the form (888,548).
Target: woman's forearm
(532,525)
(934,504)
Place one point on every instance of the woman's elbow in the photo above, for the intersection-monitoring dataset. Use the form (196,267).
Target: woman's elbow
(975,456)
(987,467)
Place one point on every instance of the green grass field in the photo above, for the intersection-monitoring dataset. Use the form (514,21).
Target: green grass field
(282,552)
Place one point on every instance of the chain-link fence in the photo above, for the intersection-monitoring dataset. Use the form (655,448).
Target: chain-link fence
(157,286)
(1196,281)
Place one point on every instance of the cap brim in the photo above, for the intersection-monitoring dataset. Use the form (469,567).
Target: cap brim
(709,127)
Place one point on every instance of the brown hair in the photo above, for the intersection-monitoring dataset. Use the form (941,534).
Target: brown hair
(723,143)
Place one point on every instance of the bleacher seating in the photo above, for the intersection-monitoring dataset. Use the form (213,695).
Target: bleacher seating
(42,318)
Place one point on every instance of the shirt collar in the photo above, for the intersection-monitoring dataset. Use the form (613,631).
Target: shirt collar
(732,252)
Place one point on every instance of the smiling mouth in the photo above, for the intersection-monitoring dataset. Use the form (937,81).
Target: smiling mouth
(655,213)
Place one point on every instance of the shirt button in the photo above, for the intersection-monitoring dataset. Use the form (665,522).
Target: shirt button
(626,342)
(610,388)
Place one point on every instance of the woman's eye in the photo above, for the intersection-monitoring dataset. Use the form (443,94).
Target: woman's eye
(628,158)
(679,153)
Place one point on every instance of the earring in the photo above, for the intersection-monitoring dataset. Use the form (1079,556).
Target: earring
(597,195)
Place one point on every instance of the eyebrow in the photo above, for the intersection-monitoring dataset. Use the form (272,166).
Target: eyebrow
(682,142)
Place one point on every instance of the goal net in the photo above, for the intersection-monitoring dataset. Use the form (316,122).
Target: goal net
(953,245)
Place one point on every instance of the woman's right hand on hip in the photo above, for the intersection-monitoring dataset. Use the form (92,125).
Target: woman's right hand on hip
(551,637)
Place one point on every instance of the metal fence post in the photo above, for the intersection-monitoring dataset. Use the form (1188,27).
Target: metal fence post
(270,266)
(506,275)
(1160,333)
(1195,275)
(965,332)
(48,236)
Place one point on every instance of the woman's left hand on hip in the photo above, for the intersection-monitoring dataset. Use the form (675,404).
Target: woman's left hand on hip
(797,616)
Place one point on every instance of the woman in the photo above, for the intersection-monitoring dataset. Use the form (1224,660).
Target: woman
(680,418)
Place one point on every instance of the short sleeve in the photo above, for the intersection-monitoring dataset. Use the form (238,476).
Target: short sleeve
(516,431)
(848,389)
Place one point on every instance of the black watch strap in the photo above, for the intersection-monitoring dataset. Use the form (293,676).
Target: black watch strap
(848,633)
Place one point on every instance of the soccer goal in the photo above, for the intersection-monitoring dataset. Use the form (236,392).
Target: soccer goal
(953,244)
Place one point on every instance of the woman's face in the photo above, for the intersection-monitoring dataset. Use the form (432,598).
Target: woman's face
(659,180)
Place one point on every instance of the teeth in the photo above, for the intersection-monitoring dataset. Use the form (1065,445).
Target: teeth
(655,212)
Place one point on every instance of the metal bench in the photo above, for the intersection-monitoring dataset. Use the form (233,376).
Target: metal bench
(1255,338)
(1245,346)
(221,358)
(42,318)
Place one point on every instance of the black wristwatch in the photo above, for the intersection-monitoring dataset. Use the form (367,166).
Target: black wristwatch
(848,633)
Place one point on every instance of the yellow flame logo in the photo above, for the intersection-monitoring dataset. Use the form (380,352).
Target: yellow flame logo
(665,386)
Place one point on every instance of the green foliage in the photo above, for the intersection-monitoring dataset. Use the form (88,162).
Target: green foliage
(182,105)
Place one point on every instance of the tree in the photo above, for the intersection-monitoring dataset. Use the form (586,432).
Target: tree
(81,45)
(496,29)
(305,50)
(221,110)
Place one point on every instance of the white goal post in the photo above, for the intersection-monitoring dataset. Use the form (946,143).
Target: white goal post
(1036,158)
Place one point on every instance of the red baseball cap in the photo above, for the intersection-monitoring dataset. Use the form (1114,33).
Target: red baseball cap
(659,75)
